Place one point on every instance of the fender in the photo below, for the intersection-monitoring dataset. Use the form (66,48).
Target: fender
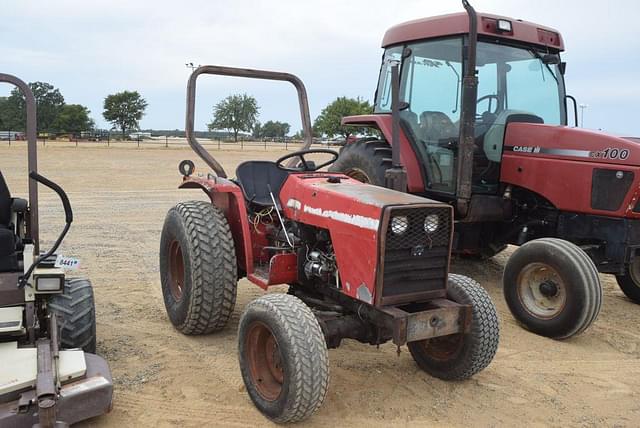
(227,196)
(415,180)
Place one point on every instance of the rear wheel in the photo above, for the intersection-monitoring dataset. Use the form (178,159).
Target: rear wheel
(77,315)
(460,356)
(283,357)
(364,160)
(197,268)
(552,288)
(630,283)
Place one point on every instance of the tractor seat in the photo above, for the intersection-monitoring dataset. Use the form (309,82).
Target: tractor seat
(258,179)
(8,239)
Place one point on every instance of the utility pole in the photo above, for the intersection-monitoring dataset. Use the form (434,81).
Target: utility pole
(582,108)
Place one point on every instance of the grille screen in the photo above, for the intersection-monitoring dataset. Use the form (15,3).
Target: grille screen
(416,250)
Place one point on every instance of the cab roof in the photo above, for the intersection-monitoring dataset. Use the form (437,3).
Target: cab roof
(458,23)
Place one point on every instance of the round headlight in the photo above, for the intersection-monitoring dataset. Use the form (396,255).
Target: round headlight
(431,223)
(399,224)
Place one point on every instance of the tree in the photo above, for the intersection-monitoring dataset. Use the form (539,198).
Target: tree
(124,110)
(49,103)
(257,130)
(73,118)
(273,129)
(235,113)
(329,121)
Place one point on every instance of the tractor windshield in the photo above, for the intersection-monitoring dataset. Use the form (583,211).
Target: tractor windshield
(512,81)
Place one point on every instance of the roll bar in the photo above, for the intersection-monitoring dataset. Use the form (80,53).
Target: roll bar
(32,155)
(248,73)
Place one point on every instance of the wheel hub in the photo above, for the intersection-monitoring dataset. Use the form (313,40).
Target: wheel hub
(548,289)
(541,290)
(176,270)
(265,361)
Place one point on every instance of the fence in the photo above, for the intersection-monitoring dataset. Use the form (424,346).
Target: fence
(167,142)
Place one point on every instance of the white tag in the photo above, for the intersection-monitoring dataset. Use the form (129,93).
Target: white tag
(69,263)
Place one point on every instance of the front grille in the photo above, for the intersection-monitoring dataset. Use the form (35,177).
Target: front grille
(609,188)
(416,251)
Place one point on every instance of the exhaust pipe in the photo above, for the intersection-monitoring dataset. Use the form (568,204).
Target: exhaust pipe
(468,115)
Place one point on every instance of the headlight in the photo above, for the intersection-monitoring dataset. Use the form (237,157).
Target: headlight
(431,223)
(399,224)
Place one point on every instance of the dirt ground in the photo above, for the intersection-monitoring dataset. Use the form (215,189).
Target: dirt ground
(164,379)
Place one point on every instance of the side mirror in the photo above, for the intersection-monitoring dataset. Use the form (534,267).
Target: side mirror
(563,67)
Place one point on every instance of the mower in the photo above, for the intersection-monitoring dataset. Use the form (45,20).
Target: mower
(362,262)
(49,375)
(483,127)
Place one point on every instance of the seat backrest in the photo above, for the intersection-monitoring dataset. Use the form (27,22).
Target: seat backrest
(257,177)
(436,126)
(5,203)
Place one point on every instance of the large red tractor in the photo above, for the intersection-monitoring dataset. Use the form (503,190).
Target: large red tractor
(482,125)
(362,262)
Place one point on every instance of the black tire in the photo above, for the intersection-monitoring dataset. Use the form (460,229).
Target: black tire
(301,360)
(200,296)
(630,282)
(460,356)
(365,160)
(77,315)
(552,288)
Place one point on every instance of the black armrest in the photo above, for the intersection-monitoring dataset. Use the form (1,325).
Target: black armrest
(19,205)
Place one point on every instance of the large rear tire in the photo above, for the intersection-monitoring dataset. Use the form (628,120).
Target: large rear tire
(283,357)
(460,356)
(364,160)
(77,312)
(552,288)
(630,282)
(197,268)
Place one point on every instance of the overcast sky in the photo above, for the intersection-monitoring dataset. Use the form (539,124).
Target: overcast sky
(89,49)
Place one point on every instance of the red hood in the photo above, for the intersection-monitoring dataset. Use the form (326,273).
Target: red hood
(581,144)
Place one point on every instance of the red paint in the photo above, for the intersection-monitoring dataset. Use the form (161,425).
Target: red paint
(565,180)
(415,183)
(458,24)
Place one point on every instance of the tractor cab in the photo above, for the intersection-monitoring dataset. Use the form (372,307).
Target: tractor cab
(519,80)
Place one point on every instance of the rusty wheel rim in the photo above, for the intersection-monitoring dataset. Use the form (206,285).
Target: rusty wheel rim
(265,361)
(541,290)
(358,174)
(444,348)
(176,270)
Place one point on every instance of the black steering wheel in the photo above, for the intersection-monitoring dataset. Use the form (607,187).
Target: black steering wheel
(306,166)
(489,97)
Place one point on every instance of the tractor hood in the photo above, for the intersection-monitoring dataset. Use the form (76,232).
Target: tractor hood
(564,142)
(576,170)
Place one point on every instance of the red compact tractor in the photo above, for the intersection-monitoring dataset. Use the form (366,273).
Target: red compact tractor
(482,126)
(362,262)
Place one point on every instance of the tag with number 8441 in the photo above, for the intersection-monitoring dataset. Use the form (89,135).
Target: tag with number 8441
(69,263)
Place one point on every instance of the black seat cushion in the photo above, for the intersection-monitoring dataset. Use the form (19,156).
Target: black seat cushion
(5,203)
(257,177)
(8,256)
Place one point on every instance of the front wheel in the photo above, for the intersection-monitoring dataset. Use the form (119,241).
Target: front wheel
(77,312)
(283,357)
(630,282)
(460,356)
(552,288)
